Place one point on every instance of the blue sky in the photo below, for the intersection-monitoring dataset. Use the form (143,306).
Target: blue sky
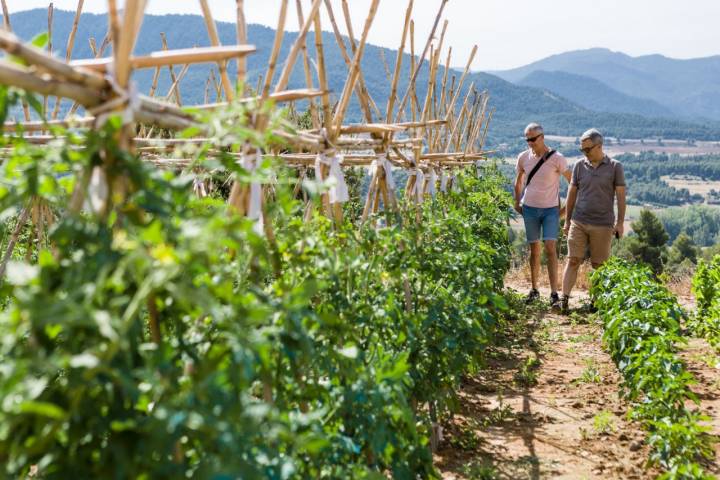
(509,33)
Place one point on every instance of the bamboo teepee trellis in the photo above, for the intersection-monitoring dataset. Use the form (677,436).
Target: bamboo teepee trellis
(446,130)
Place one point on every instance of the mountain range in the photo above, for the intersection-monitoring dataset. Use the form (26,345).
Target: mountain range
(516,104)
(686,88)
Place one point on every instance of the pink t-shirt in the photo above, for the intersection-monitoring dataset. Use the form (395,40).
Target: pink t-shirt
(545,186)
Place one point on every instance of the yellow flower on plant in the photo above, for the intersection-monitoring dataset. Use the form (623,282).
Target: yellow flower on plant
(164,254)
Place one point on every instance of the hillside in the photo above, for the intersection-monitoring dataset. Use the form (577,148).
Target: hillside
(516,105)
(593,94)
(690,88)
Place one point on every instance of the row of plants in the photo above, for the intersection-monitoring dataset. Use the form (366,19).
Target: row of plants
(642,322)
(168,339)
(706,289)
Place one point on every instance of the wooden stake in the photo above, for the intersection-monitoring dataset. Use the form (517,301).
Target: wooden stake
(51,12)
(215,42)
(416,71)
(22,220)
(295,50)
(277,45)
(355,69)
(398,63)
(69,49)
(242,40)
(306,67)
(6,17)
(171,68)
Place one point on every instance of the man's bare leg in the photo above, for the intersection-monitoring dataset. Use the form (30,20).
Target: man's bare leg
(535,255)
(551,253)
(570,276)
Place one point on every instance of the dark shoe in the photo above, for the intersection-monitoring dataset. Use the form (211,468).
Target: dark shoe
(565,305)
(554,300)
(532,296)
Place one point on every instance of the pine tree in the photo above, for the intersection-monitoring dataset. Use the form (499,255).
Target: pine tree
(651,245)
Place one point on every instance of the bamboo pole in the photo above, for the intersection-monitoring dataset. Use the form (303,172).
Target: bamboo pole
(386,66)
(322,74)
(487,125)
(15,75)
(6,17)
(242,40)
(306,66)
(69,49)
(123,46)
(277,45)
(462,110)
(354,70)
(22,220)
(170,58)
(295,50)
(366,100)
(51,12)
(176,85)
(462,79)
(359,89)
(171,68)
(215,42)
(37,57)
(416,71)
(398,63)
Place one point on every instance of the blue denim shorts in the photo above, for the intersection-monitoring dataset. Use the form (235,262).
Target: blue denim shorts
(547,219)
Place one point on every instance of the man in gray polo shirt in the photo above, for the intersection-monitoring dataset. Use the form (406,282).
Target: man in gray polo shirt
(596,181)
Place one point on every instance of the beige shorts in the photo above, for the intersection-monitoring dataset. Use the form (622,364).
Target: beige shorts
(597,237)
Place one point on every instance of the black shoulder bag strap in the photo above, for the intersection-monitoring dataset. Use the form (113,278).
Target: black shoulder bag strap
(542,161)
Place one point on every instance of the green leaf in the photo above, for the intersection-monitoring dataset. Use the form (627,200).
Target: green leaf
(40,40)
(43,409)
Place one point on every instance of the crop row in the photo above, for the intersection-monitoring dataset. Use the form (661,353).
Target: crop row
(170,340)
(642,332)
(706,288)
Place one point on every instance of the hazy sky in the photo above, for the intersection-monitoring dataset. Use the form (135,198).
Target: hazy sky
(509,33)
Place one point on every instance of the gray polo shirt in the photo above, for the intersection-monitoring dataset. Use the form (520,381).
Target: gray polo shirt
(596,191)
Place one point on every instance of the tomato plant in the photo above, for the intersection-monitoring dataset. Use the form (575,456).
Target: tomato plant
(642,331)
(169,339)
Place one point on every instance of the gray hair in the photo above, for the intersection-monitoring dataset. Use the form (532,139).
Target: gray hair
(593,135)
(534,127)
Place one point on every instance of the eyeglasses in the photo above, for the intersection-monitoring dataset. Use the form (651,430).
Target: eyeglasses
(532,140)
(588,149)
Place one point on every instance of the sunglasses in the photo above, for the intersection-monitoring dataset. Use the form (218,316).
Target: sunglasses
(588,149)
(532,140)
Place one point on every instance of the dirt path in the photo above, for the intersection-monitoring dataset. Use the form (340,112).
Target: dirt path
(547,406)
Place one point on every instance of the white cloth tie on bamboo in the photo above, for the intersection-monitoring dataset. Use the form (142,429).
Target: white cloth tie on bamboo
(199,187)
(338,186)
(432,183)
(455,187)
(418,190)
(382,160)
(478,167)
(254,209)
(443,181)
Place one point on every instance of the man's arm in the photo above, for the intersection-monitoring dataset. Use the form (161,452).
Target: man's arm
(570,206)
(518,190)
(568,175)
(621,197)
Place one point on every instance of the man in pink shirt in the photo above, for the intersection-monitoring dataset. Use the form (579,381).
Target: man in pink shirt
(537,199)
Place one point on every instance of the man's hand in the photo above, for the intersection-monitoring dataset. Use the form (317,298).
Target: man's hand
(619,230)
(566,228)
(518,208)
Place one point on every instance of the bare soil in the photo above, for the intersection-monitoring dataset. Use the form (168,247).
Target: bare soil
(548,406)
